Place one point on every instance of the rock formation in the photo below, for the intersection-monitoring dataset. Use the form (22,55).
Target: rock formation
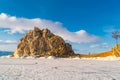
(116,50)
(42,43)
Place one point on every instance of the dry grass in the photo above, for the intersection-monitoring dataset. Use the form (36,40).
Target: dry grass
(114,52)
(103,54)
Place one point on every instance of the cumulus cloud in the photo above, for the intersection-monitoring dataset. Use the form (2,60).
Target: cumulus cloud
(8,42)
(103,45)
(21,25)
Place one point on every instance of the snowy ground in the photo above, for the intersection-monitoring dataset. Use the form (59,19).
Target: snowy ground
(58,69)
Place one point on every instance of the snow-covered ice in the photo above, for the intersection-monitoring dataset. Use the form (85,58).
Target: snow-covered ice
(58,69)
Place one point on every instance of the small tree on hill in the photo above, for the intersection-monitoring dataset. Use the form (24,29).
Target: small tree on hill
(116,35)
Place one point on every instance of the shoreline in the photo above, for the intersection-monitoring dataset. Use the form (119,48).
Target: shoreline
(108,58)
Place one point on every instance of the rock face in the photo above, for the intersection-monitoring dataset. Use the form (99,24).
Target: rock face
(42,43)
(116,50)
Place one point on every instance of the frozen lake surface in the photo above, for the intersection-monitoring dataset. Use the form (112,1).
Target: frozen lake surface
(58,69)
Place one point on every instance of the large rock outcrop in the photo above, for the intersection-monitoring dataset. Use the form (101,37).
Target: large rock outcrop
(42,43)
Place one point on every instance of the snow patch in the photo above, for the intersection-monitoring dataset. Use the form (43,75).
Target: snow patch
(51,57)
(76,58)
(43,57)
(109,58)
(8,56)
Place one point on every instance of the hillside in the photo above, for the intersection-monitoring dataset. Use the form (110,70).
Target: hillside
(115,51)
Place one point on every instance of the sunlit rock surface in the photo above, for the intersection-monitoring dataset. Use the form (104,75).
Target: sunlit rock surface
(42,43)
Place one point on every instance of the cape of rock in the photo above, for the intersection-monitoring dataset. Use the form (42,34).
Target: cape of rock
(42,43)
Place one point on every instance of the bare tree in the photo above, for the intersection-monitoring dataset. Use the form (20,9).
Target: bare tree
(116,35)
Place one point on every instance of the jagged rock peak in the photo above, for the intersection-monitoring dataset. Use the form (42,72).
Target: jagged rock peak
(42,43)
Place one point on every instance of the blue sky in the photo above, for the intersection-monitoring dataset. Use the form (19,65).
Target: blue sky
(86,24)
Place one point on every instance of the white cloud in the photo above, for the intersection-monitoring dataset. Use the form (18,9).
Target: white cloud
(8,42)
(8,47)
(23,24)
(103,45)
(110,29)
(95,46)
